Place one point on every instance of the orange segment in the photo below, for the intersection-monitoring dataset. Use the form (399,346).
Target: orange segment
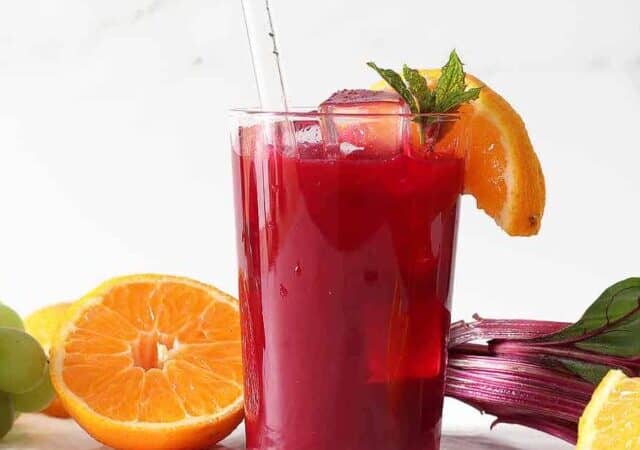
(138,313)
(214,325)
(159,402)
(221,360)
(151,362)
(502,170)
(213,391)
(118,396)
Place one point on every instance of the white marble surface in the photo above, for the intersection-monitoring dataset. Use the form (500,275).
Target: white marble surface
(35,432)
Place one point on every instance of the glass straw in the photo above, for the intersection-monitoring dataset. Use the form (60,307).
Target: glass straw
(258,19)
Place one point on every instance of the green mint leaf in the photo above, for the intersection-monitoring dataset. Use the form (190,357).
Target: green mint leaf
(449,93)
(419,88)
(397,83)
(593,373)
(451,81)
(611,325)
(456,99)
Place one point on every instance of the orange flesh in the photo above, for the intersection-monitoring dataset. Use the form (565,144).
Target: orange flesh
(155,353)
(485,158)
(56,409)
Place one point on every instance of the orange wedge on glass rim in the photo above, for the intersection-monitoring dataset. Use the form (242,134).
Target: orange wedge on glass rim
(151,362)
(502,170)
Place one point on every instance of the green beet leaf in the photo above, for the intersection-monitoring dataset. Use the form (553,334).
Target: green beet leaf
(593,373)
(611,325)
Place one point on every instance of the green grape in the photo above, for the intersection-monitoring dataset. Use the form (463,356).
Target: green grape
(9,318)
(22,361)
(38,398)
(7,414)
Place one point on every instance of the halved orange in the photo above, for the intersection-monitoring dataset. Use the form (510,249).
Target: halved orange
(151,362)
(502,170)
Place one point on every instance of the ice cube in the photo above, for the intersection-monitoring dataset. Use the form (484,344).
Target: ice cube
(302,138)
(307,131)
(361,97)
(375,130)
(309,142)
(262,138)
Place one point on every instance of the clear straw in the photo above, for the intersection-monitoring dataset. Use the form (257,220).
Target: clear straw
(258,19)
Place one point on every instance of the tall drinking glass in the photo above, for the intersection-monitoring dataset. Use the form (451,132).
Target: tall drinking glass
(346,254)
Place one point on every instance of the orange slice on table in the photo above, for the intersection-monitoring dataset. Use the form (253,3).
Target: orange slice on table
(43,325)
(151,362)
(611,420)
(502,171)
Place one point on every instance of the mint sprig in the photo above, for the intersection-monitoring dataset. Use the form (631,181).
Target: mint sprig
(394,80)
(449,93)
(419,88)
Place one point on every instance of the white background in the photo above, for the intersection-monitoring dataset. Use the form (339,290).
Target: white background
(114,153)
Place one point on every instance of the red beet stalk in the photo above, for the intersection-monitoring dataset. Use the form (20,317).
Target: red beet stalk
(485,329)
(542,374)
(518,392)
(512,378)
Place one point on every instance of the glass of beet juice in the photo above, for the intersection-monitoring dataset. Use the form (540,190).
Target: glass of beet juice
(346,229)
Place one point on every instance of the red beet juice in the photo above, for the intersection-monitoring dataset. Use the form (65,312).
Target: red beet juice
(345,276)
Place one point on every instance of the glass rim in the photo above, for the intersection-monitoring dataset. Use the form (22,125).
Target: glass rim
(310,113)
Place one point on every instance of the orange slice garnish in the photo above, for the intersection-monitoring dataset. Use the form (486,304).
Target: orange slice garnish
(502,170)
(151,362)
